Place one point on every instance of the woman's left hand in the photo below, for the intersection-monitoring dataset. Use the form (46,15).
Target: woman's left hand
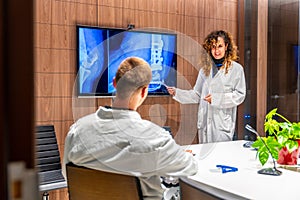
(208,98)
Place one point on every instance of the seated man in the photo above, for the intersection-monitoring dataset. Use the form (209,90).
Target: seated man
(116,139)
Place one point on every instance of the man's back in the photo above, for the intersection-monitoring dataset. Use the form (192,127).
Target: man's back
(118,140)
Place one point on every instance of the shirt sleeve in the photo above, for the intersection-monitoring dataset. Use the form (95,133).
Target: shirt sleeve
(193,95)
(66,157)
(174,161)
(70,142)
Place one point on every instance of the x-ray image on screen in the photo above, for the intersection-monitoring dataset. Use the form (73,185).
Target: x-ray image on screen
(101,50)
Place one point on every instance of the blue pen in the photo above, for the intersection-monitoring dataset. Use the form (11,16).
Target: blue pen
(226,168)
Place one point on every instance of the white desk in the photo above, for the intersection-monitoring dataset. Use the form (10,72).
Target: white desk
(246,183)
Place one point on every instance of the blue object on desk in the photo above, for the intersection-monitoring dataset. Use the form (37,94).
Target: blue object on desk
(226,169)
(248,144)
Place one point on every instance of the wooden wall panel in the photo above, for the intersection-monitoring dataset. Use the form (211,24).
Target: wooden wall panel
(111,17)
(228,25)
(262,42)
(62,37)
(175,22)
(53,109)
(191,24)
(112,3)
(150,5)
(144,19)
(42,35)
(209,25)
(227,10)
(55,56)
(175,7)
(86,14)
(128,17)
(55,60)
(209,8)
(192,8)
(50,85)
(42,14)
(71,12)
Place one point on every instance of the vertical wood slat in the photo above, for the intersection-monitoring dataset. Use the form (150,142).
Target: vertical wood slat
(3,147)
(262,41)
(19,81)
(16,88)
(241,47)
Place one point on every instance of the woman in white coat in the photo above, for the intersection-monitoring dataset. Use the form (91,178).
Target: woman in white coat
(219,89)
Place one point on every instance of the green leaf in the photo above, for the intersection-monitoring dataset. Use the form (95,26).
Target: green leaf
(271,114)
(295,130)
(263,152)
(257,144)
(271,126)
(263,155)
(283,136)
(285,125)
(291,145)
(274,146)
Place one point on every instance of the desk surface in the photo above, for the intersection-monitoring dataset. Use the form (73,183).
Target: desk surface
(245,183)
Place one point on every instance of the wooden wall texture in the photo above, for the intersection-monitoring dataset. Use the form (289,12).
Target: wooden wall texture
(55,56)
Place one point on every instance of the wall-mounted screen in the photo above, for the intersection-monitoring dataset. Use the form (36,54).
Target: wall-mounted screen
(101,50)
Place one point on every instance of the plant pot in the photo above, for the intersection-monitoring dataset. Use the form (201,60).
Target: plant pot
(288,158)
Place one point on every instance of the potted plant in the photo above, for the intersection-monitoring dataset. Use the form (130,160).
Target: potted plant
(283,140)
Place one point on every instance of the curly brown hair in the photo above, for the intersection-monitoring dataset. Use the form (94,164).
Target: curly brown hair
(230,54)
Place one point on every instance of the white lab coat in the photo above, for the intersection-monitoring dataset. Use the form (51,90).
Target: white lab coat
(119,141)
(216,121)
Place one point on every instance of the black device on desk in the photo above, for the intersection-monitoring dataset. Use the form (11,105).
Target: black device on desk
(248,144)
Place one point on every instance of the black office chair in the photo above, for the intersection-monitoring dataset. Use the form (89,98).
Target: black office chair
(48,161)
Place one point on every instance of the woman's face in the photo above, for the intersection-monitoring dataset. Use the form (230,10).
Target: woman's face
(218,49)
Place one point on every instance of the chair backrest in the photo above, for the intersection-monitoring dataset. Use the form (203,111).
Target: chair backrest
(190,190)
(48,157)
(90,184)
